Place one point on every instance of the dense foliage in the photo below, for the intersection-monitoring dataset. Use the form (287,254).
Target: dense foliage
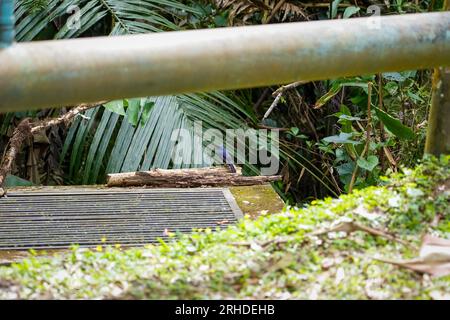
(277,256)
(323,124)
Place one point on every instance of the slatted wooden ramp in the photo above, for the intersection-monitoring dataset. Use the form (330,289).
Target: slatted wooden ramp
(57,219)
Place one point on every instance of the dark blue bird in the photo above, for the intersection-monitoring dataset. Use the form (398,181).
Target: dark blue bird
(225,156)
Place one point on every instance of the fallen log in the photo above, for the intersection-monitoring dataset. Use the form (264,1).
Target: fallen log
(185,178)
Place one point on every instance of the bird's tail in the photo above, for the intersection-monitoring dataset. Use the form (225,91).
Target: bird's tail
(232,168)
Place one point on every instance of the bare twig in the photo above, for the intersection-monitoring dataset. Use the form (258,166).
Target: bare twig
(261,126)
(272,106)
(66,118)
(324,5)
(380,105)
(275,10)
(278,94)
(288,86)
(264,244)
(349,227)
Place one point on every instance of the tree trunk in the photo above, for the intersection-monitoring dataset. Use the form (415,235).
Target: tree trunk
(438,135)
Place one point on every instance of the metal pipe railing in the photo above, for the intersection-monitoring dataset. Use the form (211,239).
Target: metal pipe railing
(66,72)
(6,23)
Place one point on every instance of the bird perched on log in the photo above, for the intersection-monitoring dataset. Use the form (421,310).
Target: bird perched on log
(226,157)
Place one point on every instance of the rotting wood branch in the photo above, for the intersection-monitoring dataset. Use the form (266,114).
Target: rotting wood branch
(186,178)
(65,118)
(26,129)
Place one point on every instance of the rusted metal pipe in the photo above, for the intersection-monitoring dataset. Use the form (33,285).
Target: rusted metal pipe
(67,72)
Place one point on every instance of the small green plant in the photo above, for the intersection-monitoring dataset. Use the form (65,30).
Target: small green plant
(369,135)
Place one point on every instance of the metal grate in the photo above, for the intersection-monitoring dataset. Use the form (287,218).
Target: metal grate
(58,219)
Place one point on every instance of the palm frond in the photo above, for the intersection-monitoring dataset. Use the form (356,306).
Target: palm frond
(150,145)
(128,16)
(242,11)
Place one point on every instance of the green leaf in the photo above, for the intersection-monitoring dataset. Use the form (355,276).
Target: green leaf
(334,8)
(348,118)
(129,17)
(220,21)
(79,143)
(350,11)
(295,130)
(409,74)
(414,97)
(148,105)
(399,76)
(343,137)
(336,87)
(394,125)
(116,107)
(368,164)
(69,138)
(134,106)
(359,99)
(327,97)
(14,181)
(342,115)
(345,172)
(391,87)
(102,147)
(94,147)
(394,76)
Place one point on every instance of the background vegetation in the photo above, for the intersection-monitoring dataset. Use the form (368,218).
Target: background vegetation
(336,135)
(323,124)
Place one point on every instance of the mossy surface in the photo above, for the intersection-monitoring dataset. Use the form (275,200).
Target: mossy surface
(273,256)
(257,200)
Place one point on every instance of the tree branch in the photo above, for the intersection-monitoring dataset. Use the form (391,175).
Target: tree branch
(278,94)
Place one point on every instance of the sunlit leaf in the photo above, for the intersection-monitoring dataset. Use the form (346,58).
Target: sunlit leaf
(134,107)
(341,138)
(116,107)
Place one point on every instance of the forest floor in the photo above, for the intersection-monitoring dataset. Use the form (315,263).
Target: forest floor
(384,242)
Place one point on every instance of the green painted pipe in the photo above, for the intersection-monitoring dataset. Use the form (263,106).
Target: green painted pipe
(68,72)
(6,23)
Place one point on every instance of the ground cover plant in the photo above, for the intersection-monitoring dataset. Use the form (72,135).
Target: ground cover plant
(382,242)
